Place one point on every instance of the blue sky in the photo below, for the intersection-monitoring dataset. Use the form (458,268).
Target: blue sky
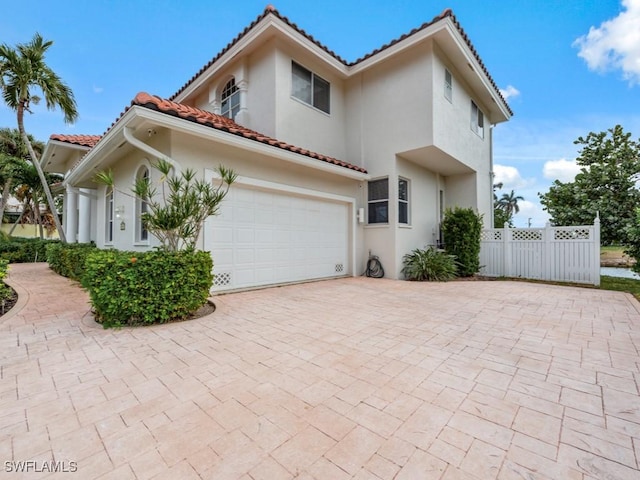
(569,66)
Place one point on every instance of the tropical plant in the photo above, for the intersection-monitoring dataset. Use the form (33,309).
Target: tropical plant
(429,264)
(23,70)
(606,185)
(504,207)
(509,203)
(176,212)
(461,230)
(500,218)
(30,193)
(13,157)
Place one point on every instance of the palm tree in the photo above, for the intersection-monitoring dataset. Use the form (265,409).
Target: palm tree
(13,159)
(509,203)
(23,69)
(30,193)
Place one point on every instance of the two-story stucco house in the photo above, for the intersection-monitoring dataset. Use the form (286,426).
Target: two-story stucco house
(335,159)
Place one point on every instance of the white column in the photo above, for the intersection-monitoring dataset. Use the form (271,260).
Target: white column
(242,117)
(84,216)
(72,215)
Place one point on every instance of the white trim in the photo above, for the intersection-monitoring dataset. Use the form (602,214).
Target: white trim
(284,188)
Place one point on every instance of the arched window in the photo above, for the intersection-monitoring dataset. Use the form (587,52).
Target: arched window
(142,234)
(230,100)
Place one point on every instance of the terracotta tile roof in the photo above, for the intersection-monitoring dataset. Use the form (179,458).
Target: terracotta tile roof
(82,140)
(208,119)
(225,124)
(271,10)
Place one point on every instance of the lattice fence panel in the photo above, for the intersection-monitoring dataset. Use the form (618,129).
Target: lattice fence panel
(526,235)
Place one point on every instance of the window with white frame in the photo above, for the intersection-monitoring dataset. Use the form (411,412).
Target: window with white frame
(378,201)
(448,85)
(142,234)
(108,237)
(403,201)
(477,120)
(310,88)
(230,100)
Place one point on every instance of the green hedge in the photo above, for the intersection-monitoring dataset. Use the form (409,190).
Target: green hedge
(132,288)
(69,259)
(461,231)
(25,250)
(5,291)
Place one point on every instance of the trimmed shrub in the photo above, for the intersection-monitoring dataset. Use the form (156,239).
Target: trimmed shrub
(25,250)
(461,230)
(133,288)
(69,259)
(5,291)
(429,264)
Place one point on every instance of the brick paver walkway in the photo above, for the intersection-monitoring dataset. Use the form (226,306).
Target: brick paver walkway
(354,378)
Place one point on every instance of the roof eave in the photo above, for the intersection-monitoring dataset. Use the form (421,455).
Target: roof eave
(114,138)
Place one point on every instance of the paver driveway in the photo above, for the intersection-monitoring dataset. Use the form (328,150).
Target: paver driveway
(351,378)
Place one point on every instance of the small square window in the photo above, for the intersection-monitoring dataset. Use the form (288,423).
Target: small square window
(378,201)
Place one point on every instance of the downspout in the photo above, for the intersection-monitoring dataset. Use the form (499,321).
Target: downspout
(491,178)
(132,140)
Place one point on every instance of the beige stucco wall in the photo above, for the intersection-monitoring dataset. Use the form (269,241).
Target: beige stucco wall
(201,155)
(301,124)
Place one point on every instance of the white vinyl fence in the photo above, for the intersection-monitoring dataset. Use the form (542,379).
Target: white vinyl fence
(562,254)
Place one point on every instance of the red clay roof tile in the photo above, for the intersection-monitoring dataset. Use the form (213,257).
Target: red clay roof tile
(225,124)
(205,118)
(82,140)
(271,10)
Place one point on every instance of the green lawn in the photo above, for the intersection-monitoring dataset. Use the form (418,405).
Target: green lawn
(621,285)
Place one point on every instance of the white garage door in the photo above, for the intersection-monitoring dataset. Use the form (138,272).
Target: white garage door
(266,237)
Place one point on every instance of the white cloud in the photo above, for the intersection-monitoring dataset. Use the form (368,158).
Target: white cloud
(615,44)
(509,177)
(563,170)
(509,92)
(98,89)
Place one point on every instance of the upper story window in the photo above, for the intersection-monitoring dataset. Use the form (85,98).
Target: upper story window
(230,100)
(108,215)
(142,234)
(477,120)
(310,88)
(403,201)
(378,201)
(448,85)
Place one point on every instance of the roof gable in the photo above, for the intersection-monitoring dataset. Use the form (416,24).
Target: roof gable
(271,10)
